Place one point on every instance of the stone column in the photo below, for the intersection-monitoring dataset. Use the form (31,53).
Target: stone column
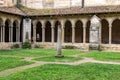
(52,27)
(10,27)
(3,33)
(73,31)
(110,33)
(43,34)
(11,37)
(34,33)
(84,33)
(63,31)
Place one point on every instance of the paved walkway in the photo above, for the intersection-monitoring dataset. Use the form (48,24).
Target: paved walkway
(39,63)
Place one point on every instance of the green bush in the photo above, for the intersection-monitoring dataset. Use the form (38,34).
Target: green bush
(15,46)
(26,45)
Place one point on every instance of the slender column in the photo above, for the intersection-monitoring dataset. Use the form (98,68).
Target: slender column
(73,31)
(34,34)
(11,37)
(9,34)
(73,34)
(63,31)
(84,34)
(52,35)
(18,39)
(43,34)
(110,34)
(3,35)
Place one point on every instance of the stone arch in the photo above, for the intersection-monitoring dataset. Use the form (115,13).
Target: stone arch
(56,30)
(48,31)
(39,32)
(15,27)
(7,31)
(1,23)
(68,31)
(88,31)
(78,31)
(116,31)
(105,31)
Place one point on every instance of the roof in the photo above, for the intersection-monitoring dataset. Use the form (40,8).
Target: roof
(60,11)
(11,10)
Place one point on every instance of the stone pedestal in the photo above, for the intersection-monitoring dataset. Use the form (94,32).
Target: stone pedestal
(94,33)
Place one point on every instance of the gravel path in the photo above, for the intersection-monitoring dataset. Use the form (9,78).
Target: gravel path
(39,63)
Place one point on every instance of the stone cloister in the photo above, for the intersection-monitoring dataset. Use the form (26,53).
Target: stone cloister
(75,31)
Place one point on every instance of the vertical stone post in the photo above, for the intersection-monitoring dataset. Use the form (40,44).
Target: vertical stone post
(43,31)
(110,33)
(52,37)
(0,33)
(73,31)
(34,33)
(11,40)
(63,31)
(10,27)
(18,39)
(84,32)
(94,33)
(3,35)
(59,43)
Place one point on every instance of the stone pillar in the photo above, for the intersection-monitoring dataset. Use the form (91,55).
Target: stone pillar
(63,31)
(73,31)
(84,33)
(110,33)
(9,33)
(11,37)
(3,35)
(94,33)
(18,33)
(34,33)
(52,27)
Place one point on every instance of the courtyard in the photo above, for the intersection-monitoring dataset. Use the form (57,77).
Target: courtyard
(41,64)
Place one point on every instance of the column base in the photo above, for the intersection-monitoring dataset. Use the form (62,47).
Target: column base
(94,47)
(59,56)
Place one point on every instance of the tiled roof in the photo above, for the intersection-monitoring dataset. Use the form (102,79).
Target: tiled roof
(60,11)
(11,10)
(73,10)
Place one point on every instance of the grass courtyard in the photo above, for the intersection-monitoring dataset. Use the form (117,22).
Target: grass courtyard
(10,59)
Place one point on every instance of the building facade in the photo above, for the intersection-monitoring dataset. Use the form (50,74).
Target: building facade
(96,25)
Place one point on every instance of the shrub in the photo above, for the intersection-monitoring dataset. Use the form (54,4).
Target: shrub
(15,46)
(26,45)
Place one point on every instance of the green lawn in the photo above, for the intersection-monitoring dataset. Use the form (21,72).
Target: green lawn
(109,56)
(36,52)
(54,59)
(88,71)
(11,62)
